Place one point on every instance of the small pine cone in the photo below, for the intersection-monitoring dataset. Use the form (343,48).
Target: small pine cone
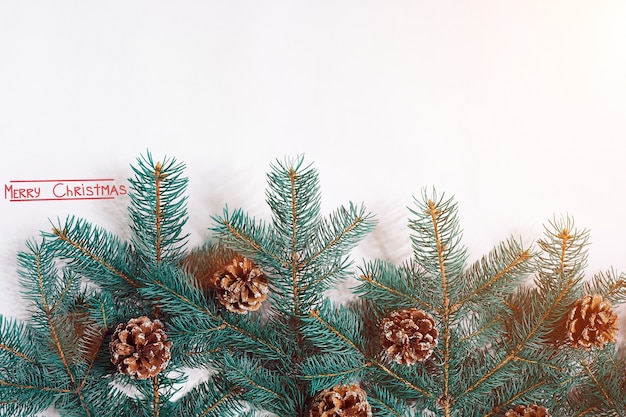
(408,336)
(528,411)
(241,285)
(341,401)
(592,322)
(140,348)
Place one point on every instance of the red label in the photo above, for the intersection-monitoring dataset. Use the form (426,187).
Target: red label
(68,189)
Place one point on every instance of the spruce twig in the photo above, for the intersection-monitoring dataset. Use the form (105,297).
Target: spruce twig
(303,254)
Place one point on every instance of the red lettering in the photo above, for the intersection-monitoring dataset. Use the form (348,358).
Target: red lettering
(60,194)
(63,189)
(29,193)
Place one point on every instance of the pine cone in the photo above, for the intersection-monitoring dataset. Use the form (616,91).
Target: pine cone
(528,411)
(408,336)
(592,322)
(241,285)
(341,401)
(140,348)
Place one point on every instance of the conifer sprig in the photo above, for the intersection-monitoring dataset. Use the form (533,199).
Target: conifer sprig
(469,307)
(303,253)
(58,366)
(601,384)
(158,210)
(92,251)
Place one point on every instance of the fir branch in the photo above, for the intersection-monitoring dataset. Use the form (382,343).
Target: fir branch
(396,287)
(176,295)
(301,253)
(250,239)
(599,385)
(16,353)
(16,343)
(434,211)
(346,342)
(609,284)
(508,264)
(210,398)
(489,333)
(559,271)
(481,330)
(38,275)
(340,232)
(42,270)
(437,239)
(300,249)
(604,385)
(155,396)
(338,317)
(521,393)
(386,404)
(218,403)
(27,398)
(326,273)
(36,387)
(263,387)
(70,330)
(295,229)
(327,370)
(564,255)
(93,252)
(158,210)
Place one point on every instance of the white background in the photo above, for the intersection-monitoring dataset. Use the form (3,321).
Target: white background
(515,108)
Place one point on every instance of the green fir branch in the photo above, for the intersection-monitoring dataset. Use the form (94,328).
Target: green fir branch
(330,369)
(16,344)
(302,253)
(609,284)
(488,280)
(385,404)
(437,237)
(318,328)
(603,382)
(94,252)
(395,287)
(64,358)
(436,224)
(559,267)
(250,238)
(263,387)
(210,399)
(176,295)
(158,210)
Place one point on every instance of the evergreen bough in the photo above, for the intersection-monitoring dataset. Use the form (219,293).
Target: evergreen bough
(502,324)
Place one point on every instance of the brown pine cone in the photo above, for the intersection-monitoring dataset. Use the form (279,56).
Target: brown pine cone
(528,411)
(341,401)
(592,322)
(241,285)
(140,348)
(408,336)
